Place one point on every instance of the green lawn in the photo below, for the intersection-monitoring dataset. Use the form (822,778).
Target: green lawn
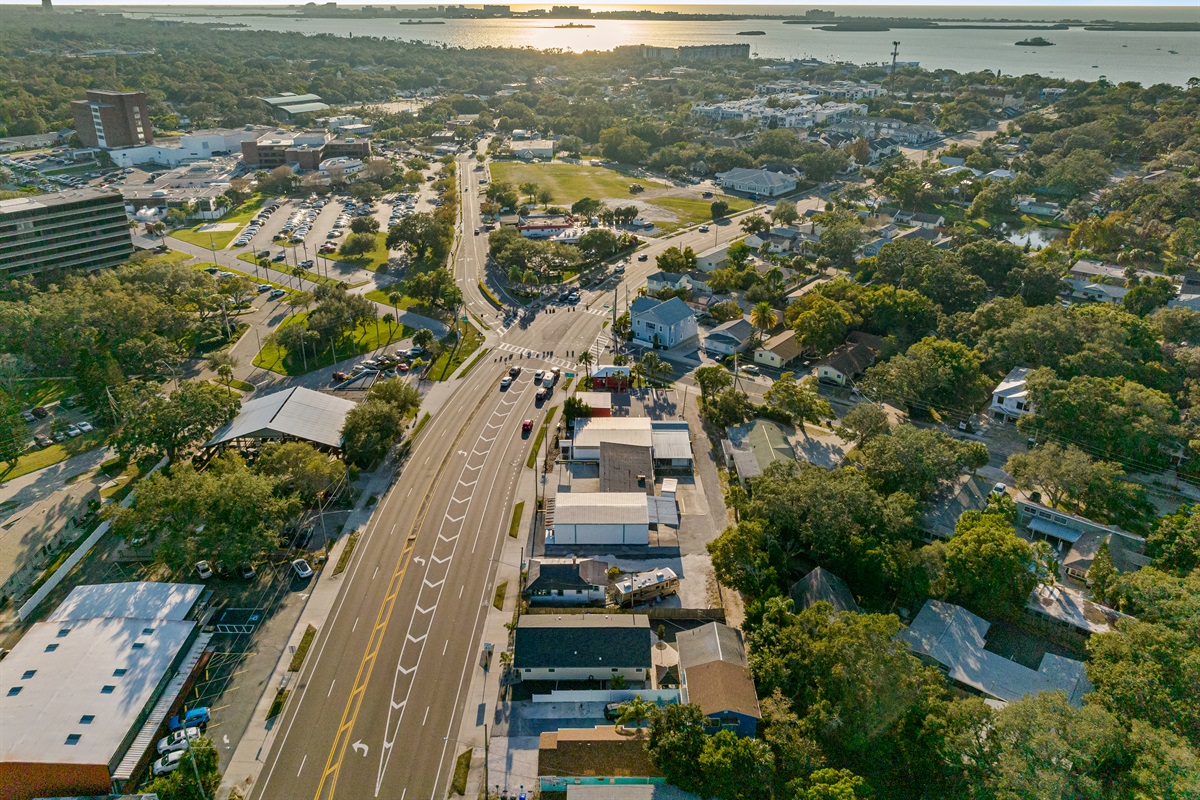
(456,353)
(40,391)
(372,261)
(692,210)
(569,182)
(34,460)
(363,339)
(220,240)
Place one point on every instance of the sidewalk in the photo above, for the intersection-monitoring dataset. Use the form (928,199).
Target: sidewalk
(255,743)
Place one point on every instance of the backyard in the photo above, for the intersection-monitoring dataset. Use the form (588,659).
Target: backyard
(669,207)
(363,339)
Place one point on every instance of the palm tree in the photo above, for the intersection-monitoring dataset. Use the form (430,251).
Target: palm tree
(223,363)
(298,273)
(636,711)
(226,373)
(773,279)
(585,358)
(394,297)
(529,189)
(390,319)
(763,317)
(637,373)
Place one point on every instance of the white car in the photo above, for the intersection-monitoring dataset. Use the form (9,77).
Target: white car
(204,570)
(168,763)
(177,740)
(302,569)
(86,427)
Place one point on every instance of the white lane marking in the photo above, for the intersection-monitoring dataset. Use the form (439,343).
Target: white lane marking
(302,764)
(426,715)
(376,572)
(447,644)
(355,625)
(460,591)
(331,688)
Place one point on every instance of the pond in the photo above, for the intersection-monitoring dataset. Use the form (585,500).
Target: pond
(1036,237)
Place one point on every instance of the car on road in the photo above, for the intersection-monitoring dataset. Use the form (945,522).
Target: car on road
(506,382)
(643,257)
(514,370)
(537,376)
(194,718)
(477,231)
(999,490)
(204,570)
(542,394)
(177,740)
(277,293)
(302,569)
(168,763)
(527,426)
(703,229)
(750,369)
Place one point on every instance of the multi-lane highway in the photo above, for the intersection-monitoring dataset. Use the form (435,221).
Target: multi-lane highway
(377,707)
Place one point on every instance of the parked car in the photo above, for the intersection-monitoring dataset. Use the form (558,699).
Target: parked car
(41,412)
(74,431)
(194,718)
(28,416)
(42,440)
(247,572)
(277,293)
(204,570)
(302,569)
(85,426)
(177,740)
(168,763)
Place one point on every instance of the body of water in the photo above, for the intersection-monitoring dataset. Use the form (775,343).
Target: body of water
(1078,54)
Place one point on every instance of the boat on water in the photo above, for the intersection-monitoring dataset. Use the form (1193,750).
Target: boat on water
(1036,41)
(752,33)
(574,25)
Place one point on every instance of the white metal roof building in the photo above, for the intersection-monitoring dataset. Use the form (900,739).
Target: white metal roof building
(601,518)
(295,413)
(77,690)
(590,432)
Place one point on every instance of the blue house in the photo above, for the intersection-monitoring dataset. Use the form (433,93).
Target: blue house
(715,675)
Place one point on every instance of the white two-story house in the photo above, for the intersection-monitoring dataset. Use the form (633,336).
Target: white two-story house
(1010,398)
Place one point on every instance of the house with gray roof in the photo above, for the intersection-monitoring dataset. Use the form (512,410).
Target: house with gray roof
(729,338)
(756,182)
(566,581)
(753,447)
(584,647)
(662,323)
(715,674)
(822,586)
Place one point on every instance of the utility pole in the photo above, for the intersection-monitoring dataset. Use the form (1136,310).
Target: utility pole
(892,76)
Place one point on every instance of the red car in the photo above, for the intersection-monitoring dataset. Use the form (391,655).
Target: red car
(340,376)
(527,425)
(402,367)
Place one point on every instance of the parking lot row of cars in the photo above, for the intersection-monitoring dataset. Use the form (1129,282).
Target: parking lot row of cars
(255,225)
(387,365)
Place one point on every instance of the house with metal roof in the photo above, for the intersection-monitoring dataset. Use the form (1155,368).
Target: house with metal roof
(85,692)
(729,338)
(566,581)
(662,323)
(715,675)
(756,182)
(954,639)
(584,647)
(753,447)
(295,414)
(822,586)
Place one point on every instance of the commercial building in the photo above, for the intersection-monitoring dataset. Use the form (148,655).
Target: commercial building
(756,182)
(305,149)
(532,148)
(295,414)
(289,104)
(584,647)
(601,518)
(954,639)
(85,692)
(77,229)
(113,119)
(197,146)
(715,674)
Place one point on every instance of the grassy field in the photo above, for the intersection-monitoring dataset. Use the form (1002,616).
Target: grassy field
(692,210)
(454,355)
(362,339)
(34,460)
(373,260)
(405,303)
(220,240)
(569,182)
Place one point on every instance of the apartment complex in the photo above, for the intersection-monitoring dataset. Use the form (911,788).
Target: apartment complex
(307,149)
(113,119)
(77,229)
(780,110)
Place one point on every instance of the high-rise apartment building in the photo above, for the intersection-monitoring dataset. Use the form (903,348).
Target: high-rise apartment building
(77,229)
(113,119)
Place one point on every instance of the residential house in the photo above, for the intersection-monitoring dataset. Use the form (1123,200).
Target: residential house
(952,161)
(715,675)
(1062,608)
(729,338)
(1028,204)
(882,149)
(1124,549)
(756,182)
(698,281)
(1010,398)
(779,351)
(579,647)
(844,364)
(941,513)
(1065,530)
(919,219)
(659,281)
(566,581)
(609,378)
(646,587)
(753,447)
(822,586)
(1001,174)
(954,640)
(662,324)
(960,171)
(712,258)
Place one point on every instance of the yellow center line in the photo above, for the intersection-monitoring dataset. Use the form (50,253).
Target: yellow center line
(337,751)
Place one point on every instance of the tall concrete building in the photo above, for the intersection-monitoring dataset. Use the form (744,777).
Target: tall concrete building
(77,229)
(113,119)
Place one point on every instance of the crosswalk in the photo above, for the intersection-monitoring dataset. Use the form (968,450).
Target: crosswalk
(537,355)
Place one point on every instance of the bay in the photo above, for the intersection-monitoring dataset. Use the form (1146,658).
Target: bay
(1078,54)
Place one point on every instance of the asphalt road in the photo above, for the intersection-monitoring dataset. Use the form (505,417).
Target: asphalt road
(383,690)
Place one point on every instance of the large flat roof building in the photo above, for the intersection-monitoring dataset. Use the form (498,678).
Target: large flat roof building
(78,689)
(292,414)
(76,229)
(113,119)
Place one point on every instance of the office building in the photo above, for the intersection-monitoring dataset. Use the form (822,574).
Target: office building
(113,119)
(76,229)
(306,149)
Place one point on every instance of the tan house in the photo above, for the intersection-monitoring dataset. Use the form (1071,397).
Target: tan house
(780,350)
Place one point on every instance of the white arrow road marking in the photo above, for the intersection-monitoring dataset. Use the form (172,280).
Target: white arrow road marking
(420,610)
(433,585)
(437,560)
(462,452)
(468,485)
(405,671)
(445,539)
(416,639)
(359,744)
(418,559)
(456,519)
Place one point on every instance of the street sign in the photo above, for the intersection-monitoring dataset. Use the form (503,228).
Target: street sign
(464,319)
(569,375)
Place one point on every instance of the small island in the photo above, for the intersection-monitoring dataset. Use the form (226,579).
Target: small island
(752,33)
(574,25)
(1036,41)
